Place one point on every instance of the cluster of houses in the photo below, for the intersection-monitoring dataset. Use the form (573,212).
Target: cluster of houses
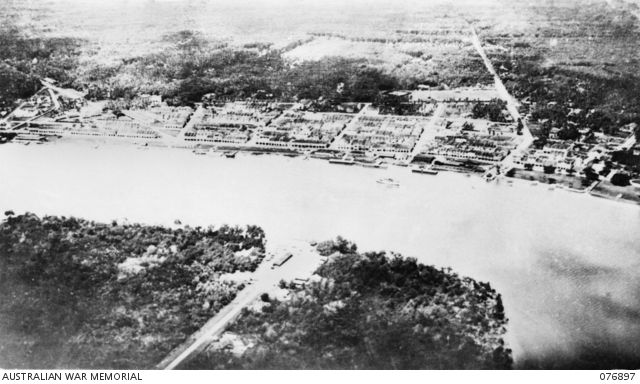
(557,156)
(383,135)
(482,148)
(304,130)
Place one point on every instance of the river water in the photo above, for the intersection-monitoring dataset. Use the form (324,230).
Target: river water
(566,264)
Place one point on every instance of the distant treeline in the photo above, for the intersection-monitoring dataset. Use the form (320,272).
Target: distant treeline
(192,66)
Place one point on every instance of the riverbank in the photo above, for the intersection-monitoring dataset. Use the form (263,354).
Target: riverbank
(606,190)
(603,190)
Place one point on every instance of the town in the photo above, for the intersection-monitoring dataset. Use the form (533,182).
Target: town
(467,129)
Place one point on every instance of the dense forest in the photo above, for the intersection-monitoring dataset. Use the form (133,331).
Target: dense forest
(80,294)
(574,66)
(24,60)
(190,66)
(373,311)
(567,99)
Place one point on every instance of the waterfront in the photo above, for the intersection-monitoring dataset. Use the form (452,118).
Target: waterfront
(565,263)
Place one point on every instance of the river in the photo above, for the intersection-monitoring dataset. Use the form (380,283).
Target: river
(566,264)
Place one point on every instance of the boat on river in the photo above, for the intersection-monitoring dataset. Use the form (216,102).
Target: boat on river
(347,160)
(388,181)
(230,154)
(424,170)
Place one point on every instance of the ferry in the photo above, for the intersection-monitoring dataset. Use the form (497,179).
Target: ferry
(388,181)
(424,170)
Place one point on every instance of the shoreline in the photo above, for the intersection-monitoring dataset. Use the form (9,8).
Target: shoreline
(382,164)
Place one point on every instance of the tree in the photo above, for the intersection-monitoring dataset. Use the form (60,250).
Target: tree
(519,127)
(549,169)
(590,174)
(467,126)
(569,133)
(492,110)
(620,179)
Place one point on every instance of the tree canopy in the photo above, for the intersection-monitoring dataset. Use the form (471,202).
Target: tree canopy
(374,311)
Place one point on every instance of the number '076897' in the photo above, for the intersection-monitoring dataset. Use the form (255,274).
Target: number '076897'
(615,376)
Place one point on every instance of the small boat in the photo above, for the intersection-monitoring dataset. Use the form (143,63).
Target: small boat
(230,154)
(347,160)
(424,170)
(376,164)
(200,151)
(388,181)
(489,176)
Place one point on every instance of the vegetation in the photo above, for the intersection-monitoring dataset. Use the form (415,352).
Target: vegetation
(578,74)
(80,294)
(566,99)
(373,311)
(493,110)
(627,159)
(24,60)
(190,66)
(620,179)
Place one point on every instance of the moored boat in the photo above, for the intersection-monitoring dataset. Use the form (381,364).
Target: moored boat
(230,154)
(347,160)
(424,170)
